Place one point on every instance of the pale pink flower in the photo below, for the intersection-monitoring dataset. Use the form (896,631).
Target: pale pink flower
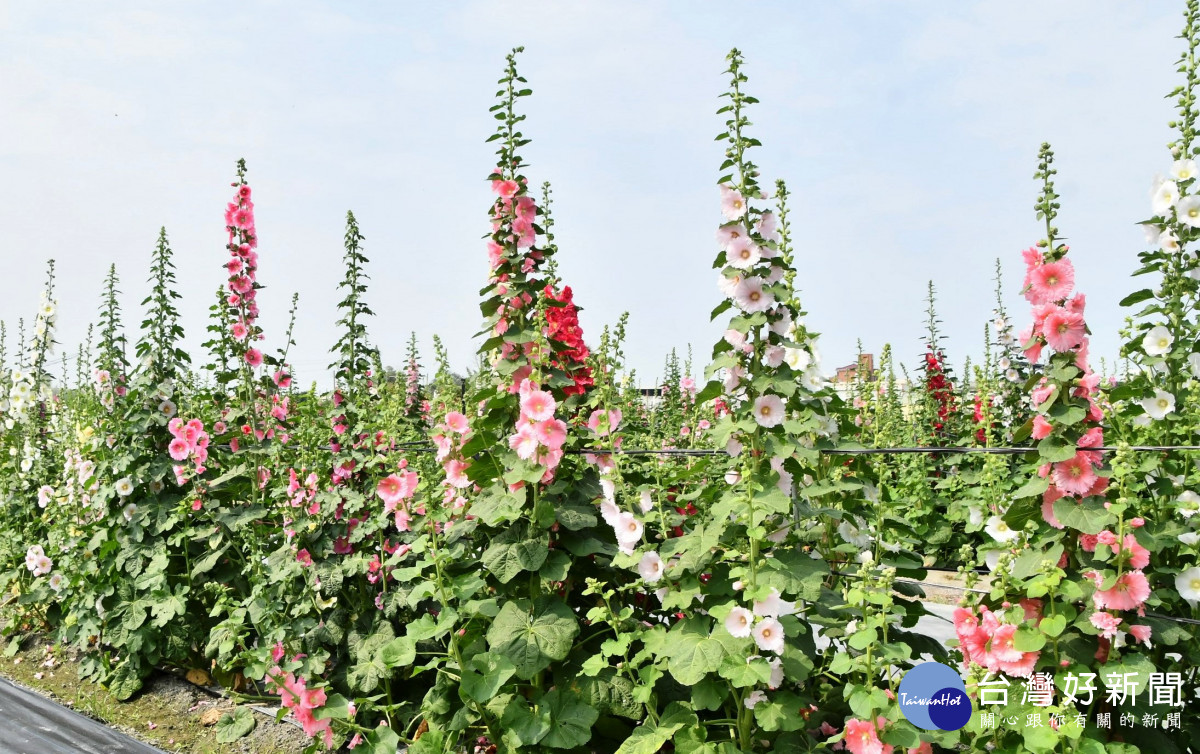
(739,622)
(525,442)
(750,296)
(729,234)
(768,635)
(1106,623)
(1130,591)
(537,405)
(457,422)
(651,567)
(1041,428)
(742,254)
(768,410)
(179,449)
(733,204)
(552,433)
(456,474)
(862,738)
(1141,633)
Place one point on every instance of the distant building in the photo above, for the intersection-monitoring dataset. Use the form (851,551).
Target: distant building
(863,368)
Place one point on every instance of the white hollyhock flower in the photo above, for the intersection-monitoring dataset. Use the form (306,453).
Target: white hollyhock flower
(646,501)
(1187,210)
(853,535)
(1189,504)
(124,487)
(768,635)
(1165,195)
(1152,231)
(129,510)
(797,358)
(1157,341)
(975,515)
(1194,364)
(609,512)
(733,204)
(1188,585)
(753,698)
(609,489)
(1183,170)
(628,529)
(1189,538)
(776,679)
(812,380)
(774,606)
(1158,405)
(739,622)
(1168,241)
(167,409)
(651,567)
(56,582)
(733,447)
(1000,531)
(743,254)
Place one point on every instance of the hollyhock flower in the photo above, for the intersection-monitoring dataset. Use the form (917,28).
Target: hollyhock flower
(537,405)
(167,409)
(1139,557)
(766,226)
(729,234)
(750,296)
(628,529)
(507,189)
(303,558)
(1157,341)
(753,699)
(457,422)
(254,358)
(178,449)
(1074,476)
(604,422)
(124,487)
(239,331)
(733,204)
(1063,329)
(768,410)
(651,567)
(1051,282)
(1130,591)
(1164,196)
(862,738)
(768,635)
(1141,633)
(552,433)
(743,254)
(456,474)
(1048,507)
(1106,623)
(525,442)
(57,582)
(774,606)
(797,358)
(45,492)
(1041,428)
(1187,583)
(773,356)
(1158,405)
(739,622)
(395,488)
(1000,531)
(1187,210)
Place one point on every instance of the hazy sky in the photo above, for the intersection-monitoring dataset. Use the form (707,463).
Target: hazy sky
(907,132)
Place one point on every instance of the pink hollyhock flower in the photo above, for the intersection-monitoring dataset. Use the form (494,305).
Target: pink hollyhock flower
(254,358)
(1106,538)
(1063,329)
(1032,257)
(1130,591)
(1074,477)
(733,204)
(1023,667)
(457,422)
(219,428)
(1051,282)
(1139,557)
(750,296)
(506,189)
(456,474)
(1041,393)
(395,488)
(862,738)
(729,234)
(768,635)
(1141,633)
(1041,428)
(179,449)
(537,405)
(742,254)
(526,209)
(1107,624)
(552,433)
(303,558)
(239,331)
(243,218)
(768,410)
(525,442)
(1048,511)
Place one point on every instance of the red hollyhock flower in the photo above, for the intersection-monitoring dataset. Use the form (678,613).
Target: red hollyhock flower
(572,352)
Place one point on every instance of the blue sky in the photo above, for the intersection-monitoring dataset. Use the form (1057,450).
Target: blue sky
(907,133)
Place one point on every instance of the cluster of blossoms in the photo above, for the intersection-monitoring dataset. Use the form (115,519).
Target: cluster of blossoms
(563,326)
(396,490)
(449,437)
(242,268)
(303,702)
(938,387)
(37,562)
(1057,321)
(79,479)
(539,436)
(1009,346)
(303,495)
(108,388)
(763,624)
(24,389)
(189,442)
(986,640)
(862,737)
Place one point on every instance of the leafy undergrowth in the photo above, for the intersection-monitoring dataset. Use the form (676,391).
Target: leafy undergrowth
(169,712)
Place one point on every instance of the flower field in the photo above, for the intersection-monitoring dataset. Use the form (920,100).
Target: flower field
(541,557)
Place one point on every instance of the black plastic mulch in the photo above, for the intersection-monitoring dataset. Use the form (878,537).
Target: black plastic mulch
(32,724)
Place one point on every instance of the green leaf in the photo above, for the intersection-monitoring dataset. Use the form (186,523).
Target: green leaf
(233,726)
(485,674)
(649,737)
(1028,639)
(1053,625)
(570,720)
(1136,297)
(1053,450)
(398,652)
(1089,517)
(692,653)
(532,639)
(516,550)
(124,682)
